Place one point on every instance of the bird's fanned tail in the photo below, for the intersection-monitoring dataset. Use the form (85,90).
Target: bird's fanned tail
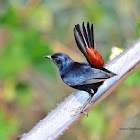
(86,44)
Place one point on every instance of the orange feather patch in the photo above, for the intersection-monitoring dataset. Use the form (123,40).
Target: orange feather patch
(95,57)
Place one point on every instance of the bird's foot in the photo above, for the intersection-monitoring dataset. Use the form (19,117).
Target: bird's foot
(84,112)
(77,112)
(80,110)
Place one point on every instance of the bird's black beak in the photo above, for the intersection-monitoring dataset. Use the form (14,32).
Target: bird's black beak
(47,56)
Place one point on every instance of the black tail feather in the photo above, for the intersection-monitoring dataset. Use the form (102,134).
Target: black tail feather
(81,34)
(85,34)
(89,34)
(80,40)
(92,36)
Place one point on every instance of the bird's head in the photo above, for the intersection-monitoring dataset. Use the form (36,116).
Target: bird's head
(62,60)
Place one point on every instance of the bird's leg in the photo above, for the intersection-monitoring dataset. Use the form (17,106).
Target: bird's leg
(91,94)
(81,109)
(85,104)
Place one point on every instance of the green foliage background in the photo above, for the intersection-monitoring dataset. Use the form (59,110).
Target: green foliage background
(30,85)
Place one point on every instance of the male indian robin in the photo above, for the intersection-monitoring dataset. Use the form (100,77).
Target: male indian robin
(83,76)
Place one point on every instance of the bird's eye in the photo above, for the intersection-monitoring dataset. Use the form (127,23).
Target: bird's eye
(57,60)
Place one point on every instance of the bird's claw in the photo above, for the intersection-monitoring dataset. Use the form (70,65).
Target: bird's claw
(80,110)
(84,112)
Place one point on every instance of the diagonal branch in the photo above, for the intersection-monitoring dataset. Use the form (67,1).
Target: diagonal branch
(64,116)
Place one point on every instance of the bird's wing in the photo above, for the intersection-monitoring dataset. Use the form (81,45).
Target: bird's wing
(84,75)
(85,42)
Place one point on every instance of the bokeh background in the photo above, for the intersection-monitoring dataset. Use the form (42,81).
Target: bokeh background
(30,86)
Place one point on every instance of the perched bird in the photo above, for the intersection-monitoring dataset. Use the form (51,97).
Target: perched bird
(83,76)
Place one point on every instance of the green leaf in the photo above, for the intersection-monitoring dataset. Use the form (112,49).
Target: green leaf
(138,28)
(8,127)
(24,94)
(95,122)
(133,79)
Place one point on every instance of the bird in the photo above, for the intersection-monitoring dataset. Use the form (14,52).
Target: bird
(80,75)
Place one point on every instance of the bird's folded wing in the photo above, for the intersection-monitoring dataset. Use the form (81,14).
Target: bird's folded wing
(84,77)
(92,81)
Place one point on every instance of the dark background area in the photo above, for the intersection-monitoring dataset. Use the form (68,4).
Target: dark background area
(30,86)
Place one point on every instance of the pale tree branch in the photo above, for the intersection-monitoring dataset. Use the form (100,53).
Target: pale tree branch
(65,115)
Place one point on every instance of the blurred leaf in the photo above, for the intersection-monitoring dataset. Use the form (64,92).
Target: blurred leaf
(24,95)
(41,18)
(25,48)
(9,16)
(138,28)
(8,127)
(96,10)
(95,122)
(12,127)
(133,79)
(9,90)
